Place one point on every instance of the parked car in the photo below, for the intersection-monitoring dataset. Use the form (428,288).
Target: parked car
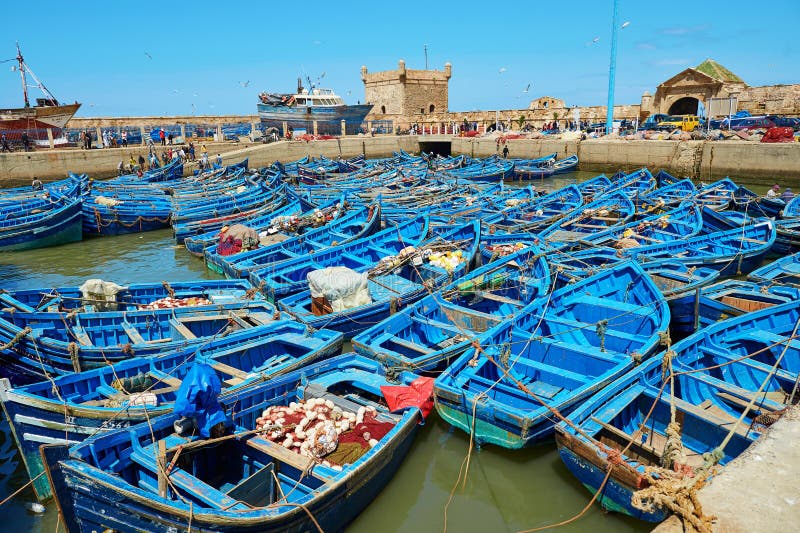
(651,123)
(685,123)
(751,123)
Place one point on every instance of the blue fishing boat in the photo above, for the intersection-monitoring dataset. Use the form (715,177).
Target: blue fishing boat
(594,187)
(544,167)
(553,355)
(784,270)
(289,276)
(430,333)
(259,220)
(787,240)
(48,220)
(666,196)
(388,280)
(792,208)
(756,205)
(537,212)
(678,223)
(68,409)
(644,433)
(728,298)
(718,195)
(491,169)
(99,296)
(50,343)
(608,211)
(119,211)
(285,244)
(733,252)
(244,482)
(714,221)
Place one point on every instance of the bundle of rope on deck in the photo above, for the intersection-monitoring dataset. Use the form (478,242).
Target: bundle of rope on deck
(17,337)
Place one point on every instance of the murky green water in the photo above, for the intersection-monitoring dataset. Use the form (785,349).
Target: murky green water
(505,491)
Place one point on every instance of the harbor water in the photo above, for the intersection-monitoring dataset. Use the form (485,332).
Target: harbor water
(505,490)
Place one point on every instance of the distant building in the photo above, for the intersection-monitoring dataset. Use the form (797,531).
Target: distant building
(719,91)
(406,95)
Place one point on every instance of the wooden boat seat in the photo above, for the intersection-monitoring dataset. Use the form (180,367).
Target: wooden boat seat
(502,299)
(229,370)
(772,400)
(81,335)
(187,484)
(452,328)
(182,329)
(410,345)
(550,369)
(285,456)
(132,333)
(163,377)
(651,454)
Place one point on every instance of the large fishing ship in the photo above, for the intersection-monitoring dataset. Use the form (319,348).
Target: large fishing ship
(47,113)
(300,110)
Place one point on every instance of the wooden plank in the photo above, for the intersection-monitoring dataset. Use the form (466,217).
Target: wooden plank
(133,333)
(80,334)
(410,345)
(283,455)
(183,330)
(741,402)
(627,437)
(163,377)
(502,299)
(227,369)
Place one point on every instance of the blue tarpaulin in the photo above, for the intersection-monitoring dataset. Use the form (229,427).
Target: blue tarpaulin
(197,398)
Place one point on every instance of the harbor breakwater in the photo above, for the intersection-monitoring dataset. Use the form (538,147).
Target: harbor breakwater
(702,160)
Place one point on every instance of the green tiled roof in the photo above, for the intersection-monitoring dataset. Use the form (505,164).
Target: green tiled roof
(717,71)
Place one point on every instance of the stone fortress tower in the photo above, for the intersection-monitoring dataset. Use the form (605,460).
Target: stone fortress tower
(405,95)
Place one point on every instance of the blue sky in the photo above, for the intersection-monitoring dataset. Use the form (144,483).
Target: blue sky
(148,58)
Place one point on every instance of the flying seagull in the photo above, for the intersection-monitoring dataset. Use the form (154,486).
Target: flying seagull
(244,83)
(626,24)
(527,88)
(502,69)
(148,55)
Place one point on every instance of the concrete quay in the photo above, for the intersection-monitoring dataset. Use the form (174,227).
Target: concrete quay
(703,160)
(757,491)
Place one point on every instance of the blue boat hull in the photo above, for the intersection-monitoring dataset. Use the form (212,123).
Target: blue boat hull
(66,231)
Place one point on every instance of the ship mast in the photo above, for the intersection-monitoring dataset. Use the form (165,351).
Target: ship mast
(22,75)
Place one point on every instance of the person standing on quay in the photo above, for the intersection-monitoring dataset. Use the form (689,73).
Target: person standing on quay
(4,141)
(87,140)
(26,142)
(191,151)
(124,136)
(505,152)
(162,137)
(219,160)
(141,162)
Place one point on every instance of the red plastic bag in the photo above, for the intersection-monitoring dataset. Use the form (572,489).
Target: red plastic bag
(419,394)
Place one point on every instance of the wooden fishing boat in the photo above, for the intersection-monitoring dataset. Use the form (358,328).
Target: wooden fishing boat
(50,343)
(430,333)
(733,252)
(714,221)
(666,196)
(537,213)
(609,210)
(287,277)
(630,427)
(491,169)
(68,409)
(787,240)
(594,187)
(681,222)
(259,220)
(115,211)
(353,225)
(729,298)
(544,169)
(244,482)
(784,270)
(394,279)
(792,208)
(43,221)
(672,278)
(132,297)
(718,195)
(554,354)
(756,205)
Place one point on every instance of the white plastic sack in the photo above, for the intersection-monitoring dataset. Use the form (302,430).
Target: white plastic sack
(343,287)
(101,294)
